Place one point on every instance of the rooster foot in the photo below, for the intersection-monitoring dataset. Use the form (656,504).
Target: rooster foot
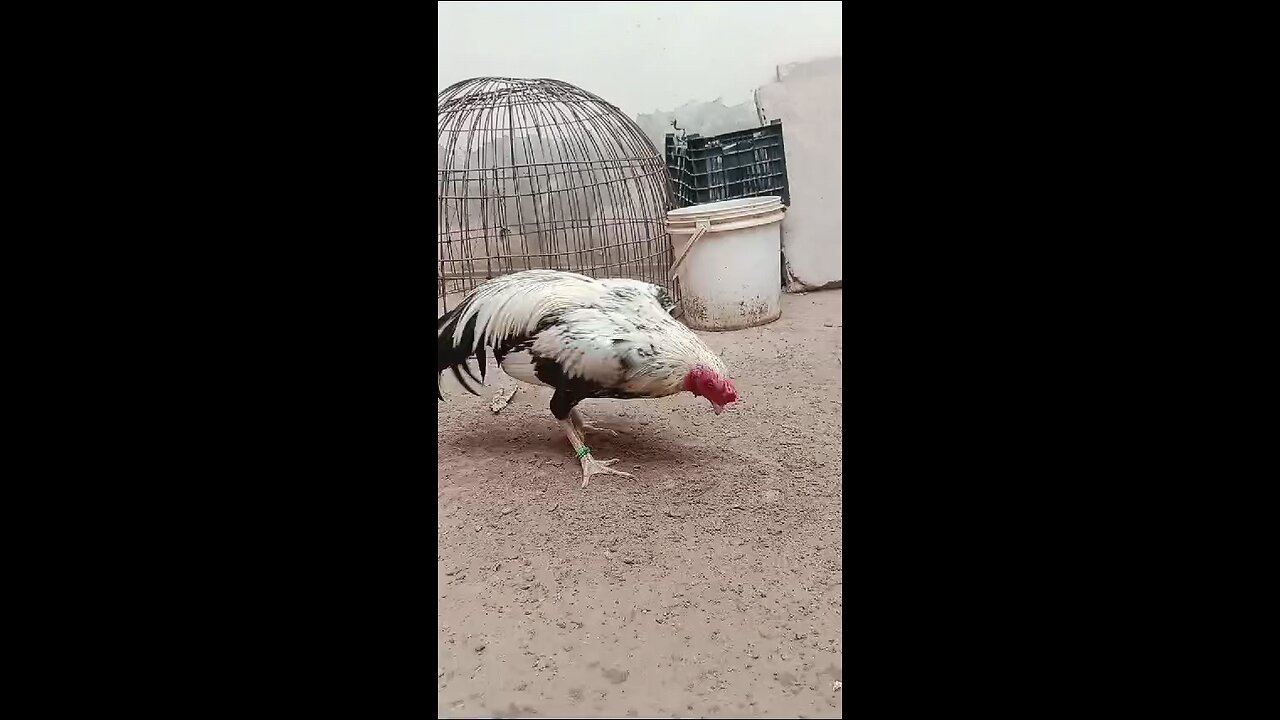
(591,466)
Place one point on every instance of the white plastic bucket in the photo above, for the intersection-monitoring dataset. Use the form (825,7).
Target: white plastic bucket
(732,276)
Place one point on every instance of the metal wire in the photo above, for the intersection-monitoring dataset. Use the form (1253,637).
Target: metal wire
(543,174)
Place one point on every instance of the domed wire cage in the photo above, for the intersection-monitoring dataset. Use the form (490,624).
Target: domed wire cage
(543,174)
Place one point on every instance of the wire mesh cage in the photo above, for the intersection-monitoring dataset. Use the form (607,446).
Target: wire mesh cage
(543,174)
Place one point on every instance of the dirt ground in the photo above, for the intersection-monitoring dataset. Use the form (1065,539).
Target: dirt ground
(709,585)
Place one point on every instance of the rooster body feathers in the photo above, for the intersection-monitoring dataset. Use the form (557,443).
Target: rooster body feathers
(582,336)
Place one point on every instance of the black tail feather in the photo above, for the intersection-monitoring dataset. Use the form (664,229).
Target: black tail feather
(450,355)
(463,381)
(472,375)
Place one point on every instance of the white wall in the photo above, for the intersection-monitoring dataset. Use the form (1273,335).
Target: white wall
(809,101)
(641,56)
(700,62)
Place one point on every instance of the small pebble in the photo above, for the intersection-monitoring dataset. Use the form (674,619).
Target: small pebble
(478,528)
(507,510)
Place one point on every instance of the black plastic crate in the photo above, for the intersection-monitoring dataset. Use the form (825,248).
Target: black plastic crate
(742,164)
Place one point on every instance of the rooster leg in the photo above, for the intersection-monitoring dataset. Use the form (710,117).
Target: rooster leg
(590,466)
(582,425)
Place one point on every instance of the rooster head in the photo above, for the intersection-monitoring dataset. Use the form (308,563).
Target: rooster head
(710,384)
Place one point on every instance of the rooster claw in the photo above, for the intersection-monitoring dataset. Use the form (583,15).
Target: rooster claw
(591,466)
(589,426)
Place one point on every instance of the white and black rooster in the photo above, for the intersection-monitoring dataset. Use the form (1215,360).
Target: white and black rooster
(587,338)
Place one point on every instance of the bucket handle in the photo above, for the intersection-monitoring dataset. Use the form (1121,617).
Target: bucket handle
(703,226)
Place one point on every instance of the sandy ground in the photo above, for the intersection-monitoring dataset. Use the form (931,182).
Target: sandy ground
(709,585)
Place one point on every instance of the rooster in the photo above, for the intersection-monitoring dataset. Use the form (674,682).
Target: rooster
(586,338)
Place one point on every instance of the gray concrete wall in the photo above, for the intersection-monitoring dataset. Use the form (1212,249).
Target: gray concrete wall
(808,99)
(703,118)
